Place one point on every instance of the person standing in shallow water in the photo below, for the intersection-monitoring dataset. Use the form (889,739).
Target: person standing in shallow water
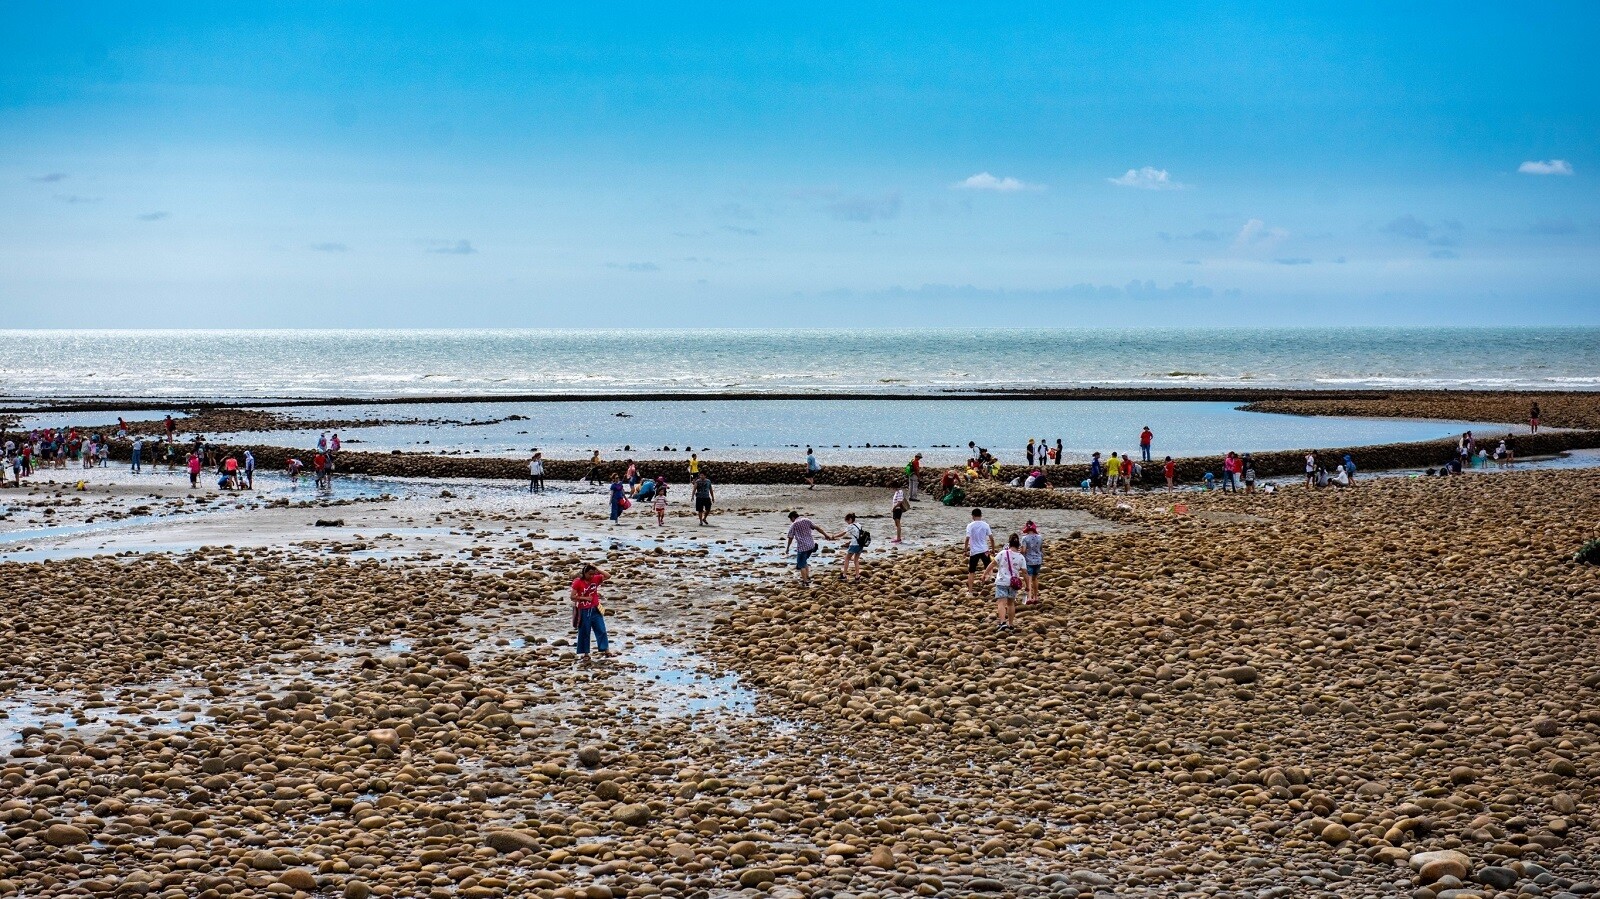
(587,615)
(1533,419)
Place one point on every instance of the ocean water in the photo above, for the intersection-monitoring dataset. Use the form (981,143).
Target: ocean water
(843,431)
(376,364)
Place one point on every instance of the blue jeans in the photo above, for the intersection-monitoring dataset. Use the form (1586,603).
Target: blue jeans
(616,509)
(1146,451)
(590,620)
(135,460)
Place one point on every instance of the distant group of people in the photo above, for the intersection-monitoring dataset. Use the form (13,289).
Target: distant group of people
(1471,454)
(630,486)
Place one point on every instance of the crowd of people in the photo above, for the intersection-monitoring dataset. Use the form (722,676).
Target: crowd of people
(61,448)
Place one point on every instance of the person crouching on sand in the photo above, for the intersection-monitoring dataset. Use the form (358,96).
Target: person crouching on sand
(587,615)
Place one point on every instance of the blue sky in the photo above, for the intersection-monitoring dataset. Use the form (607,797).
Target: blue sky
(828,165)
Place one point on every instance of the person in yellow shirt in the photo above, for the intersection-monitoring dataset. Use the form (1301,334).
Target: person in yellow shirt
(1113,471)
(694,465)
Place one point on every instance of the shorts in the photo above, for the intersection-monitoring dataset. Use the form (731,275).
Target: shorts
(853,550)
(897,513)
(802,559)
(1002,591)
(702,505)
(977,562)
(1033,570)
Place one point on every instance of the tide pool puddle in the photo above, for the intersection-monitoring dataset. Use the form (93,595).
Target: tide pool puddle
(681,682)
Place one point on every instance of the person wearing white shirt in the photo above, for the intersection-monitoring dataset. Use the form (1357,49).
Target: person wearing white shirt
(980,547)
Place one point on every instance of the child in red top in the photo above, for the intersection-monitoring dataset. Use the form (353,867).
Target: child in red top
(1171,471)
(587,616)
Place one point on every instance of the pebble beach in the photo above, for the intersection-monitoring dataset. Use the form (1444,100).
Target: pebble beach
(1380,691)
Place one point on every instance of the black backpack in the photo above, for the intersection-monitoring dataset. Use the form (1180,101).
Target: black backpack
(864,539)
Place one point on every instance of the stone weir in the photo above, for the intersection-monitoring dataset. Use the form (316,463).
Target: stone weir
(1190,470)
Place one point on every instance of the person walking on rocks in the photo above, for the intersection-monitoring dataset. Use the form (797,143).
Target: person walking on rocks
(1350,468)
(812,467)
(1145,438)
(897,508)
(1033,557)
(536,472)
(704,496)
(1170,469)
(172,428)
(857,542)
(587,615)
(1311,469)
(249,470)
(1096,472)
(194,469)
(913,471)
(618,494)
(1113,472)
(802,539)
(979,545)
(1533,419)
(1007,568)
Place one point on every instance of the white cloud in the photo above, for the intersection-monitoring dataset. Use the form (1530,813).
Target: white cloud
(986,181)
(1148,178)
(1255,233)
(1546,167)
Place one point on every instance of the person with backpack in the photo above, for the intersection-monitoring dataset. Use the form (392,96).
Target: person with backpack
(1008,567)
(587,616)
(913,469)
(859,539)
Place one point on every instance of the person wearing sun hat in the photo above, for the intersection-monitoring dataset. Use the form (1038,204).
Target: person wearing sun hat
(1033,558)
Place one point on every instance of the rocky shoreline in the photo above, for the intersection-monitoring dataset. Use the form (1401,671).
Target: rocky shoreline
(1312,693)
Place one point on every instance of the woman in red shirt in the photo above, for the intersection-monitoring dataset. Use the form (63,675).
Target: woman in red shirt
(587,616)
